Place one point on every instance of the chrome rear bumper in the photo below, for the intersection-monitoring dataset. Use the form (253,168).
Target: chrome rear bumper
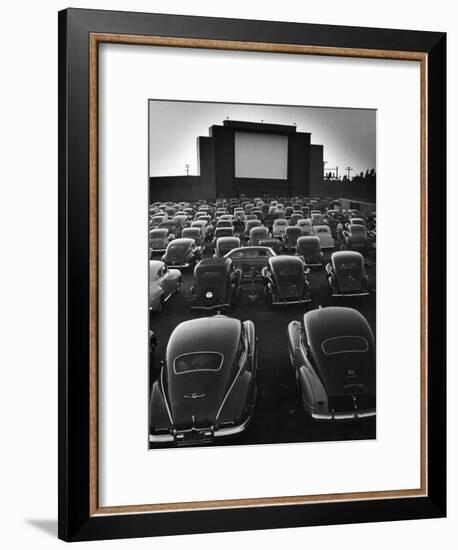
(207,434)
(348,415)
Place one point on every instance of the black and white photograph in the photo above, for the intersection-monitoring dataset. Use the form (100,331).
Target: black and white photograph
(262,274)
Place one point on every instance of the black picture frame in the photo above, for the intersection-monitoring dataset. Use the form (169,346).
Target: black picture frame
(76,520)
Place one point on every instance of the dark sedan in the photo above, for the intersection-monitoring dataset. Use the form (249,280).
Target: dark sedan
(285,281)
(309,249)
(216,284)
(346,274)
(333,356)
(207,386)
(182,253)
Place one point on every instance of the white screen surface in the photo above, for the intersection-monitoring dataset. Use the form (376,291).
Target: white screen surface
(261,155)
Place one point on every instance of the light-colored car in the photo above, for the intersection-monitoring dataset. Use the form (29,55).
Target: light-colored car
(332,352)
(323,232)
(257,234)
(202,225)
(306,227)
(317,219)
(357,221)
(163,283)
(279,227)
(159,238)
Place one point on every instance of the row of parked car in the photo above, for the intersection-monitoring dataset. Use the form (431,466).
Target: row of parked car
(207,386)
(207,389)
(217,281)
(282,262)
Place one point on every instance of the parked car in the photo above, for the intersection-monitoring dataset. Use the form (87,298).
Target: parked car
(317,218)
(358,243)
(292,234)
(194,233)
(285,281)
(250,260)
(224,223)
(205,227)
(295,217)
(207,386)
(249,224)
(182,253)
(223,232)
(306,227)
(309,250)
(216,284)
(224,244)
(274,244)
(173,226)
(279,227)
(357,221)
(346,274)
(355,230)
(163,283)
(323,232)
(159,238)
(332,353)
(257,234)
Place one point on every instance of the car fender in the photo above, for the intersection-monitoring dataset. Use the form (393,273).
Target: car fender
(313,394)
(175,274)
(294,338)
(237,399)
(158,412)
(155,295)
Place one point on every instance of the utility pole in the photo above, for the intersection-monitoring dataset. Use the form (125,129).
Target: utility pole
(187,167)
(348,169)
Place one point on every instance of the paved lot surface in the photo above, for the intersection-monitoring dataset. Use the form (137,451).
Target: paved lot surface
(279,416)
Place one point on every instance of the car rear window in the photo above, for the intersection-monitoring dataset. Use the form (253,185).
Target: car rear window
(195,362)
(210,274)
(158,233)
(344,344)
(290,270)
(348,266)
(178,248)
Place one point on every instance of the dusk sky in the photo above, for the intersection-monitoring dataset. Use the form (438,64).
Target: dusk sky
(348,135)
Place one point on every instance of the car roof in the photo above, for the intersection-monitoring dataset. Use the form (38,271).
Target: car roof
(346,256)
(182,241)
(259,229)
(212,334)
(227,240)
(309,240)
(221,263)
(331,322)
(154,267)
(247,248)
(276,261)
